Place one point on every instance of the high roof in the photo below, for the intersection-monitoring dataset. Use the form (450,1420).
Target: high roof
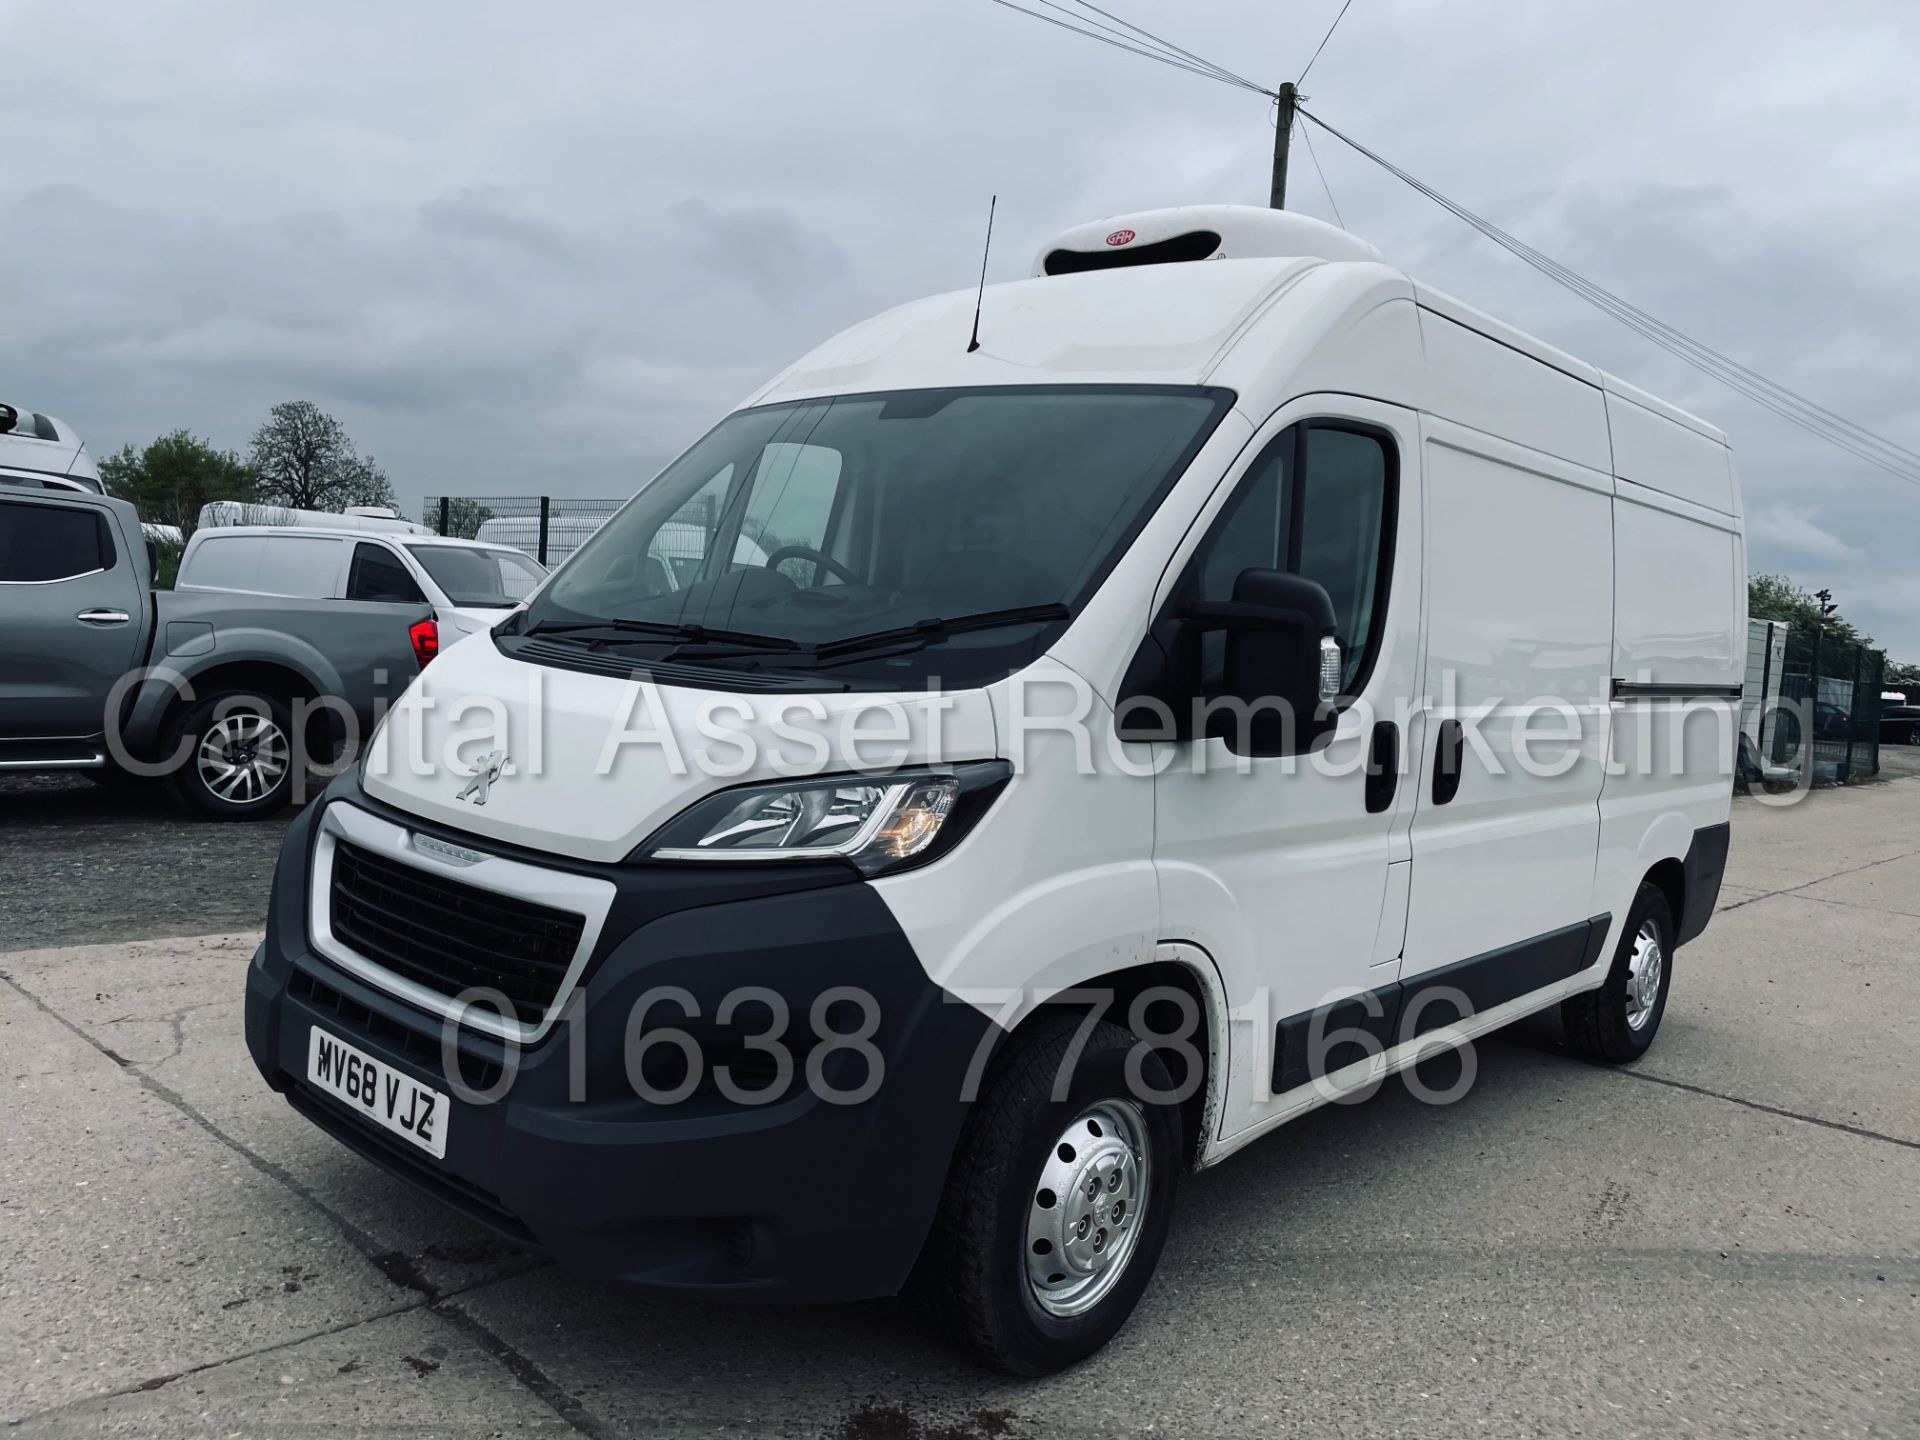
(1162,297)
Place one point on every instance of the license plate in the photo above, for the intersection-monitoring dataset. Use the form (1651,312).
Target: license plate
(391,1100)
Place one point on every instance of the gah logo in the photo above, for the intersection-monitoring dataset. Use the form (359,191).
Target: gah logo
(1120,237)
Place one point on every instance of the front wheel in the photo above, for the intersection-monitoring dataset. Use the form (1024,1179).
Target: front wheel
(238,756)
(1057,1208)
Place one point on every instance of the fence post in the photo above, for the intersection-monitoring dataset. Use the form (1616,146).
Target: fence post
(1853,708)
(446,509)
(1813,698)
(546,509)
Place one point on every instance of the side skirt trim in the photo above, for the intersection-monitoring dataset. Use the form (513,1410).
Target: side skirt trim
(1407,1009)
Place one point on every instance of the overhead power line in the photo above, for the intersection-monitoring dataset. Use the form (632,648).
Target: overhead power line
(1206,70)
(1816,419)
(1306,134)
(1166,45)
(1323,42)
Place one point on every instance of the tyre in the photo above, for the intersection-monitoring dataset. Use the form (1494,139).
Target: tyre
(239,756)
(1913,736)
(1056,1210)
(1616,1023)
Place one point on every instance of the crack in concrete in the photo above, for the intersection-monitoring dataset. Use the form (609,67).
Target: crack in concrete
(1819,880)
(175,1020)
(522,1369)
(1856,905)
(1859,1131)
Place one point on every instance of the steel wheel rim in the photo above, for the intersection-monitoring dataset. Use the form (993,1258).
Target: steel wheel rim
(243,757)
(1085,1211)
(1646,967)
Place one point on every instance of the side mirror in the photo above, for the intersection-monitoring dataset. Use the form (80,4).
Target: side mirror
(1282,664)
(1282,667)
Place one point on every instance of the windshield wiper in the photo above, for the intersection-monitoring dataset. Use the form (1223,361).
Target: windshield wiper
(925,632)
(664,631)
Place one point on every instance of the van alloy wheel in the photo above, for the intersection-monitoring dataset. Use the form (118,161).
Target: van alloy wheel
(1087,1208)
(1646,966)
(242,757)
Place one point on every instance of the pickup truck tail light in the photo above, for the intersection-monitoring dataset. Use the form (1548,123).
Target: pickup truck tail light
(425,635)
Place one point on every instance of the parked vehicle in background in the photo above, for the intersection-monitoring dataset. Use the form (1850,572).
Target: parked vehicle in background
(38,452)
(225,513)
(1899,722)
(469,584)
(1830,722)
(234,692)
(966,1012)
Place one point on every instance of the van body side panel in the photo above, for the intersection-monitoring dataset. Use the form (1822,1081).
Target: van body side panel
(1663,455)
(1680,616)
(1518,655)
(1488,386)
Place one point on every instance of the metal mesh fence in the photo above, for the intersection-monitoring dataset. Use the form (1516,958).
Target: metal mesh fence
(550,529)
(1833,686)
(547,527)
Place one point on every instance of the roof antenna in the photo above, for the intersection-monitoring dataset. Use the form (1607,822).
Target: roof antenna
(974,343)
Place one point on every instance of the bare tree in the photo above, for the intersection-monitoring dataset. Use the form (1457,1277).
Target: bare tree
(305,460)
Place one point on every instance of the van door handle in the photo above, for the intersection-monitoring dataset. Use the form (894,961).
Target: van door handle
(1447,754)
(103,617)
(1383,765)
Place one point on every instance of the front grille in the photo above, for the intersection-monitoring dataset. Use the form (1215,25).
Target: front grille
(451,937)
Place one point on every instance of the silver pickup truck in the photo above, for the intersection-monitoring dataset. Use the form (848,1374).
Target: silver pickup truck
(228,698)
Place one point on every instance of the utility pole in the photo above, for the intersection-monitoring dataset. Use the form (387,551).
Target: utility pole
(1282,135)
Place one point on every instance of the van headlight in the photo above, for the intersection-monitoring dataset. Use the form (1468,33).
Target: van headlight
(878,823)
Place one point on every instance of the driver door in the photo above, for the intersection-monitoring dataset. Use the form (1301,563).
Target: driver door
(1291,871)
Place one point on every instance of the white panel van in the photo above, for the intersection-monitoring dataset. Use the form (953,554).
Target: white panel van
(1044,768)
(469,584)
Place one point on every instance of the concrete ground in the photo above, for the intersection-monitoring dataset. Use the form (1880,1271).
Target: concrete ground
(1722,1241)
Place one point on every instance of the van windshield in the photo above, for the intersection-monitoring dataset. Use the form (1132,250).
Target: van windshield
(818,522)
(481,578)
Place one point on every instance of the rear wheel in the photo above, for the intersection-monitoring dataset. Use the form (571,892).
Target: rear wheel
(239,756)
(1057,1209)
(1616,1023)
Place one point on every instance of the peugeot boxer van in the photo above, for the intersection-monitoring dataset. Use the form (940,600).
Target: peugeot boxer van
(1244,673)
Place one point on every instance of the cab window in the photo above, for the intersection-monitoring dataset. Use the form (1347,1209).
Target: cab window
(1317,503)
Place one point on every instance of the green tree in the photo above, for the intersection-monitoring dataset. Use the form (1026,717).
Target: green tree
(305,460)
(1775,597)
(172,477)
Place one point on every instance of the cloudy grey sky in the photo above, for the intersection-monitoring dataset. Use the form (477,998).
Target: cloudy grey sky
(521,248)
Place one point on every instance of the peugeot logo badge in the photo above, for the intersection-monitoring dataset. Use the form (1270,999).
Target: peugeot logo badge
(479,783)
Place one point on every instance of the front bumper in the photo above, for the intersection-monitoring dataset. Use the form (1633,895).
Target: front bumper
(799,1199)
